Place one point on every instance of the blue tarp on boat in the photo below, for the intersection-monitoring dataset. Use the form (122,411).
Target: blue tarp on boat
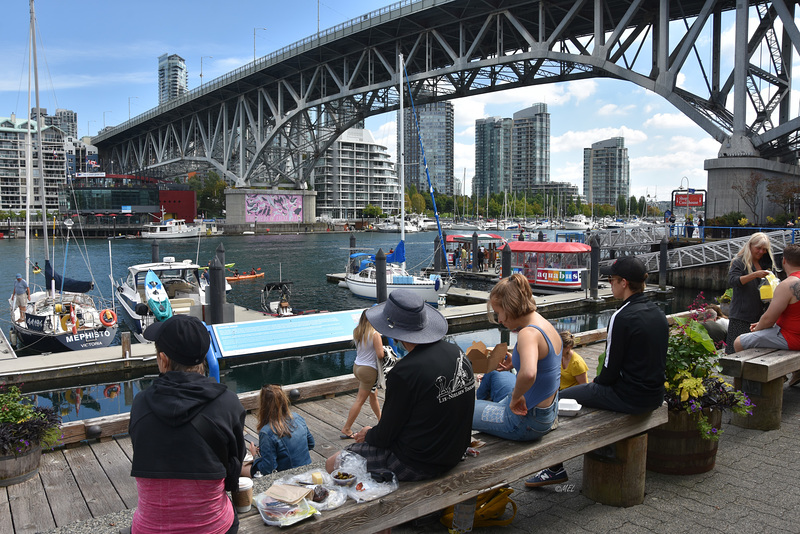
(73,286)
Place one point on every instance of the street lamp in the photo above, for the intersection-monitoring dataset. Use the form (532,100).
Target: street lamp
(254,42)
(129,106)
(87,127)
(201,68)
(104,118)
(686,219)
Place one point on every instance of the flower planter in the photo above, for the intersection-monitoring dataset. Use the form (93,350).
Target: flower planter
(16,469)
(676,448)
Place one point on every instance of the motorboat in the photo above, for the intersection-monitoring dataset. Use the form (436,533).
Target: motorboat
(275,300)
(361,277)
(184,286)
(577,222)
(550,265)
(169,229)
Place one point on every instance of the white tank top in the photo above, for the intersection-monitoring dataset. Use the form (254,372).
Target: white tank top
(365,353)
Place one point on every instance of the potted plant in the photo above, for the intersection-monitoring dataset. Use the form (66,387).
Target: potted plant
(696,395)
(24,431)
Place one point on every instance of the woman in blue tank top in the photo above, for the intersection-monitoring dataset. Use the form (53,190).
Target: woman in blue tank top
(521,406)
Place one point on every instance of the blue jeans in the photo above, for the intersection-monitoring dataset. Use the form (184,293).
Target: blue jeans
(497,419)
(496,385)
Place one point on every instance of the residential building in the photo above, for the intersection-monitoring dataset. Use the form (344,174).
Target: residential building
(606,172)
(436,131)
(530,138)
(492,156)
(14,180)
(173,77)
(67,120)
(81,157)
(355,172)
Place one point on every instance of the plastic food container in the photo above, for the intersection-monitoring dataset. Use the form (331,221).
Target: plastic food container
(340,478)
(568,407)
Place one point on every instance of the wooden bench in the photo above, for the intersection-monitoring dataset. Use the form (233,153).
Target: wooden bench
(760,373)
(614,446)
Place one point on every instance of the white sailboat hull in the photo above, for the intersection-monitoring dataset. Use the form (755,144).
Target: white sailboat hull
(367,288)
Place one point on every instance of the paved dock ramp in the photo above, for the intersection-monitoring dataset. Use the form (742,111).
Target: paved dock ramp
(273,335)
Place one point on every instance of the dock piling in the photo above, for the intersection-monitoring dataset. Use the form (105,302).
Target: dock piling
(594,276)
(474,252)
(505,259)
(380,276)
(154,257)
(125,344)
(662,265)
(217,289)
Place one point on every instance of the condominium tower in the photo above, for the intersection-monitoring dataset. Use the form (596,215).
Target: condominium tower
(492,156)
(173,77)
(530,159)
(355,172)
(436,130)
(606,171)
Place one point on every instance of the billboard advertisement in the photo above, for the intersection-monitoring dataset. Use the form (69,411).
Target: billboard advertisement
(273,208)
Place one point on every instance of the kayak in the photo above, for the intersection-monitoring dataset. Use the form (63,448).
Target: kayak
(157,299)
(243,277)
(227,266)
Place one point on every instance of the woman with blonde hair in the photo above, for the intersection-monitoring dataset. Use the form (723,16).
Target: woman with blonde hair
(523,407)
(369,348)
(750,265)
(283,436)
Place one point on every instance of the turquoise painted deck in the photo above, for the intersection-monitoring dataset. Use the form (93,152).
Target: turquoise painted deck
(277,334)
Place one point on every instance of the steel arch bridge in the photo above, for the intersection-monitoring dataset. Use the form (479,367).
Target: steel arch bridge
(268,122)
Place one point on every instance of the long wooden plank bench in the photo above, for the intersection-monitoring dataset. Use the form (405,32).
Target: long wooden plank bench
(760,373)
(614,446)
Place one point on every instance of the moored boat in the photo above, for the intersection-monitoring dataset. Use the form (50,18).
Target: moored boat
(555,265)
(169,229)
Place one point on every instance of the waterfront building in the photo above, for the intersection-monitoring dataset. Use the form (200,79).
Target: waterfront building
(81,157)
(606,172)
(530,138)
(67,120)
(13,156)
(436,129)
(492,156)
(354,172)
(173,77)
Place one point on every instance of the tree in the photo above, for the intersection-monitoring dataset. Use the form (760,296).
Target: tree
(210,193)
(748,191)
(642,205)
(622,205)
(418,203)
(371,211)
(783,193)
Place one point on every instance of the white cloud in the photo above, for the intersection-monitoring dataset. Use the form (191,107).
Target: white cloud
(578,140)
(668,120)
(614,110)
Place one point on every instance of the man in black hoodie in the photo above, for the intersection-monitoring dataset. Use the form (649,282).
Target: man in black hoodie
(187,436)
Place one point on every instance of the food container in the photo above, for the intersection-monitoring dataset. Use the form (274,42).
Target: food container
(568,407)
(340,478)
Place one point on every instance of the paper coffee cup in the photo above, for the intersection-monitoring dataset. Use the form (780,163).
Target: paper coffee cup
(243,497)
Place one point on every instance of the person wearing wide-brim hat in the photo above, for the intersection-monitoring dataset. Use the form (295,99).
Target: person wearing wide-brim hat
(426,422)
(187,432)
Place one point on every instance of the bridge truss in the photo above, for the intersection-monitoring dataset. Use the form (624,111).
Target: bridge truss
(270,121)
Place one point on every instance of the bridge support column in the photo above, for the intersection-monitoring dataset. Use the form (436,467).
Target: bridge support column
(723,173)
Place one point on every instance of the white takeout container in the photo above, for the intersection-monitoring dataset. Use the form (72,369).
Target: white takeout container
(568,407)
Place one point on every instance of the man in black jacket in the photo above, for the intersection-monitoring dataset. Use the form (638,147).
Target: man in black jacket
(426,423)
(632,377)
(187,432)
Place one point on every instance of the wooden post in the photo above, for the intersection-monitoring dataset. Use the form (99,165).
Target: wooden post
(614,475)
(125,344)
(768,398)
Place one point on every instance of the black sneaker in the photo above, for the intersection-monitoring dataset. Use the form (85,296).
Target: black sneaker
(546,477)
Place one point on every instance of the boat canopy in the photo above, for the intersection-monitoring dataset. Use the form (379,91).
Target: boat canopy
(547,246)
(467,238)
(69,285)
(399,254)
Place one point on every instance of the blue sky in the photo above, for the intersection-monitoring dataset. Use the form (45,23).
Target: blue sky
(100,57)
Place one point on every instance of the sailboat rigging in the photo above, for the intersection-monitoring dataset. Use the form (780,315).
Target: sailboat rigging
(63,319)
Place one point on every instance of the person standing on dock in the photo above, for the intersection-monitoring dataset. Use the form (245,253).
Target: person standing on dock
(425,427)
(187,433)
(633,371)
(369,349)
(21,296)
(752,263)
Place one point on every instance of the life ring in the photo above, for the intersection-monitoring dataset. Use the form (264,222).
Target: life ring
(111,391)
(108,317)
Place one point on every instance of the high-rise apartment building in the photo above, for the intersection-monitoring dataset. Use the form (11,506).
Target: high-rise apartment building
(606,171)
(436,128)
(355,172)
(67,120)
(14,179)
(492,156)
(173,77)
(530,138)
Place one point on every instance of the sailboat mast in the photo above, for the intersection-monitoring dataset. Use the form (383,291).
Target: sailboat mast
(28,169)
(402,155)
(39,132)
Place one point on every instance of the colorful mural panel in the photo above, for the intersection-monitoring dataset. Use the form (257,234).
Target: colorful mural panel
(275,208)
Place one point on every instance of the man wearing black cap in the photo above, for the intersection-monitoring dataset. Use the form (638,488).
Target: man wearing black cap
(426,423)
(632,378)
(187,432)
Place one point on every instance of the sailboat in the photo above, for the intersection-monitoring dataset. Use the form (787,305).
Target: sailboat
(361,274)
(65,317)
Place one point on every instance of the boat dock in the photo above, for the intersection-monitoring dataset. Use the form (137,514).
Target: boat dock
(88,488)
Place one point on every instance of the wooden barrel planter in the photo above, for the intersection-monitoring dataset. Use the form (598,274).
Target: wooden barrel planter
(16,469)
(676,448)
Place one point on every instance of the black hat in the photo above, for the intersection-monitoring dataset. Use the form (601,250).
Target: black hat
(183,338)
(406,317)
(630,268)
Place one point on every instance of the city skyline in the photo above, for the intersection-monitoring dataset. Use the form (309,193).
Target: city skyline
(103,73)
